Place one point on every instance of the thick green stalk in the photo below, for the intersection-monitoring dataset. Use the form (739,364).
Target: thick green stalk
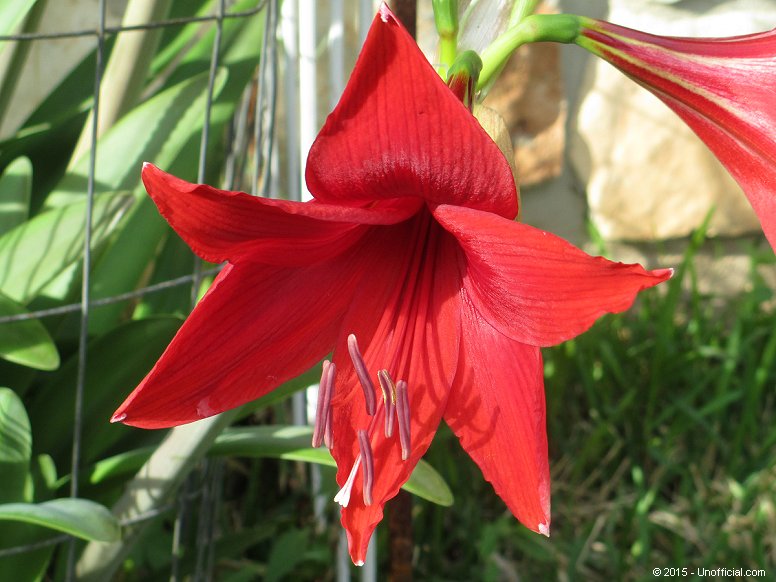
(446,20)
(521,10)
(562,28)
(123,80)
(12,66)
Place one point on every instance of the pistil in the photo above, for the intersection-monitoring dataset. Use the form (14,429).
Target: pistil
(343,496)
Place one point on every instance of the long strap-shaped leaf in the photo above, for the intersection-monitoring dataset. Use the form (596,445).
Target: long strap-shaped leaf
(124,77)
(151,489)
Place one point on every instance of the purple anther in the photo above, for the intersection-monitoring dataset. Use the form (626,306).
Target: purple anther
(403,417)
(368,465)
(328,433)
(389,398)
(328,437)
(323,409)
(363,374)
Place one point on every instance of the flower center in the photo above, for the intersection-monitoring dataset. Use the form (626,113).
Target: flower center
(394,407)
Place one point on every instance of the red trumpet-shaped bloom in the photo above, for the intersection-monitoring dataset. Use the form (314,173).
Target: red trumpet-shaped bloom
(723,88)
(409,269)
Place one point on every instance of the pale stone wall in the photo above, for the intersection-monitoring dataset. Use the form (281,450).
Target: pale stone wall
(646,175)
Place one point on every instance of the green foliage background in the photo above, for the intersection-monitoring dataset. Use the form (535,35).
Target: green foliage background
(661,420)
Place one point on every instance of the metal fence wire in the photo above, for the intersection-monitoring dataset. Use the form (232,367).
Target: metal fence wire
(268,138)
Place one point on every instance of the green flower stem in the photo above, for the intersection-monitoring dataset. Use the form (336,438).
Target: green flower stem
(447,53)
(562,28)
(446,20)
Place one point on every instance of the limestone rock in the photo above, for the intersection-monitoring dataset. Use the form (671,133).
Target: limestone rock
(646,174)
(530,97)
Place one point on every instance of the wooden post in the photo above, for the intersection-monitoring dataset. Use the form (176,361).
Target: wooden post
(407,12)
(400,507)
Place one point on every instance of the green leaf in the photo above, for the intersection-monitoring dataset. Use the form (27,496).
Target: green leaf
(280,442)
(26,342)
(78,517)
(191,50)
(119,465)
(175,259)
(159,123)
(176,116)
(139,242)
(293,443)
(15,438)
(43,471)
(12,12)
(34,253)
(15,446)
(116,362)
(426,483)
(15,189)
(287,551)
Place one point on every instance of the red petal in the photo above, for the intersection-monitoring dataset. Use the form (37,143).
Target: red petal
(497,409)
(754,171)
(746,46)
(256,328)
(399,131)
(406,319)
(533,286)
(220,225)
(724,89)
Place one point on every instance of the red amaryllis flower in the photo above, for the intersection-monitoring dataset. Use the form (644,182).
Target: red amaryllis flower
(409,266)
(723,88)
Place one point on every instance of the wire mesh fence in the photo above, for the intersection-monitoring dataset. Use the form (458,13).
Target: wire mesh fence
(255,139)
